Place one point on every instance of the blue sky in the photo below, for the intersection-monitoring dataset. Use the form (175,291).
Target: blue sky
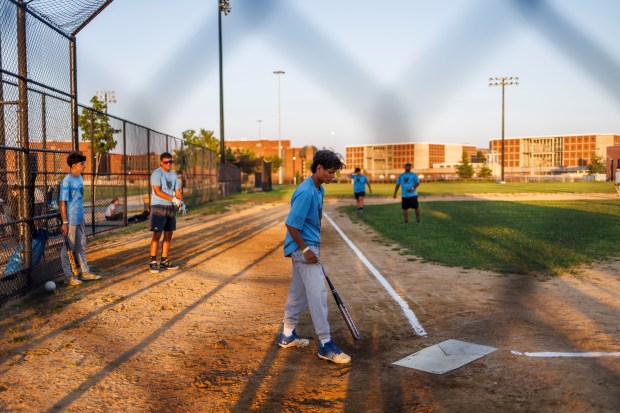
(359,72)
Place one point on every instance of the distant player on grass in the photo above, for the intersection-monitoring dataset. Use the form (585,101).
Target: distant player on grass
(617,180)
(359,188)
(166,195)
(72,215)
(410,182)
(302,242)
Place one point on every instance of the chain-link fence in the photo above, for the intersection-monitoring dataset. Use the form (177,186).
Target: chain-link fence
(40,123)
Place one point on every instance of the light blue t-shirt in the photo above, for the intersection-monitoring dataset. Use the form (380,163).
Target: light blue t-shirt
(618,177)
(167,181)
(408,180)
(72,192)
(359,183)
(305,215)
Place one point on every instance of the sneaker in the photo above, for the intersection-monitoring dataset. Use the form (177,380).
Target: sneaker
(405,222)
(89,276)
(72,280)
(329,351)
(292,341)
(417,221)
(167,265)
(153,267)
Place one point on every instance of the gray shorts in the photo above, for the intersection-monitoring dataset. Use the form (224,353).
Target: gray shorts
(163,218)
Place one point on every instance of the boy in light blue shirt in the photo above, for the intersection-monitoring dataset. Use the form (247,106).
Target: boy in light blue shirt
(72,214)
(301,243)
(359,188)
(410,182)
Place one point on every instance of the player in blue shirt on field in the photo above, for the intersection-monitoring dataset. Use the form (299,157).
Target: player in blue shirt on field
(359,188)
(301,243)
(410,182)
(165,196)
(72,214)
(617,181)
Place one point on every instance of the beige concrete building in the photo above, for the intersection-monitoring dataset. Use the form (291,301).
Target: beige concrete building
(545,155)
(386,161)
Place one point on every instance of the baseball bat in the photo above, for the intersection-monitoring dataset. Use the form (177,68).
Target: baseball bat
(71,257)
(343,309)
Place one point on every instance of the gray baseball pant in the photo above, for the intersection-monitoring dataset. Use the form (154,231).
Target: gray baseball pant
(307,290)
(77,242)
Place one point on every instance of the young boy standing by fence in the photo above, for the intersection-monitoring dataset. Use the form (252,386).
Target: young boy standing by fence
(72,214)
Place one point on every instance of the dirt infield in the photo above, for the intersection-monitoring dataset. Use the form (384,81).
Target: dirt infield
(202,339)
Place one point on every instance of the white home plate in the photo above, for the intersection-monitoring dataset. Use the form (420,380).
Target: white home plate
(445,356)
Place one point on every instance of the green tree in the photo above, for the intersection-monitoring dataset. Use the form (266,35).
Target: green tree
(246,160)
(485,171)
(96,129)
(465,169)
(203,138)
(597,165)
(276,162)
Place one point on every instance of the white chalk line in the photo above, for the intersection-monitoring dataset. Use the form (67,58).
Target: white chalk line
(413,320)
(592,354)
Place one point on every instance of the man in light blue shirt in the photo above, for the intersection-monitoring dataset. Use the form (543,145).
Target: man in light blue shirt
(359,188)
(72,214)
(301,243)
(617,181)
(165,196)
(410,182)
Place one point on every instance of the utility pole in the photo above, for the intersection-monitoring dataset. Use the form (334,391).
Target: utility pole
(503,81)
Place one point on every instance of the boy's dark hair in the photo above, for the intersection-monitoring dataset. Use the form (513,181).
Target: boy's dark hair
(327,159)
(165,155)
(357,170)
(75,157)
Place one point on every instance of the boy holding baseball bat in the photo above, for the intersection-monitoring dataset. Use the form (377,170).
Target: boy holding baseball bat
(302,242)
(72,214)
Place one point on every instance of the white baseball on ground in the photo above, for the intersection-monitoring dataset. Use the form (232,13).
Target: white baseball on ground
(50,286)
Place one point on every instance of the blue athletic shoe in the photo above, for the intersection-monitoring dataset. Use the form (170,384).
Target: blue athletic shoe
(329,351)
(292,341)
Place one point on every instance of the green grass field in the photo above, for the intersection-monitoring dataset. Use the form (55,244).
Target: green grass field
(542,237)
(458,188)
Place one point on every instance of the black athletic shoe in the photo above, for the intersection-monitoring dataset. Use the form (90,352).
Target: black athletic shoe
(417,222)
(167,265)
(153,267)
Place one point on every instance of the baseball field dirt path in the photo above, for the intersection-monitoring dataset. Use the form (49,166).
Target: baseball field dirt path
(202,338)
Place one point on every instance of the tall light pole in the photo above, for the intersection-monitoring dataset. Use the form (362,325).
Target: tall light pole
(259,129)
(503,81)
(278,73)
(223,7)
(106,96)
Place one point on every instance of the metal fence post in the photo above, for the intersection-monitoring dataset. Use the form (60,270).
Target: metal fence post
(125,172)
(26,201)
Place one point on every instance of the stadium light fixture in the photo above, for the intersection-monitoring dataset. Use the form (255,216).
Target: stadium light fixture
(503,82)
(106,96)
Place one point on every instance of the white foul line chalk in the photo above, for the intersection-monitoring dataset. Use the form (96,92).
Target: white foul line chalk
(557,354)
(413,320)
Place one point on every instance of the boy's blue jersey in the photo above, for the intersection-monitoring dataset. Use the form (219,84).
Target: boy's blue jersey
(359,183)
(72,192)
(618,177)
(305,215)
(167,181)
(408,180)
